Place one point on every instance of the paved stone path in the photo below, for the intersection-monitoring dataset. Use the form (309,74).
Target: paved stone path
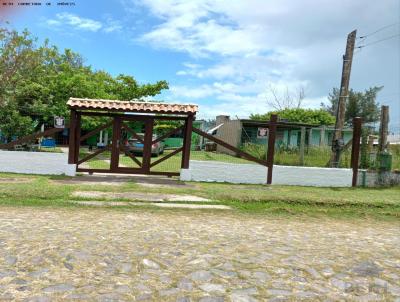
(80,254)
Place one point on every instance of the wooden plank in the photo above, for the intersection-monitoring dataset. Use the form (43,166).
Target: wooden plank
(176,130)
(88,170)
(95,131)
(134,134)
(131,155)
(134,117)
(99,151)
(187,142)
(355,151)
(148,137)
(30,137)
(230,147)
(169,118)
(166,157)
(127,171)
(271,146)
(169,174)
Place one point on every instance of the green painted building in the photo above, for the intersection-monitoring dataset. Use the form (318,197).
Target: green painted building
(241,131)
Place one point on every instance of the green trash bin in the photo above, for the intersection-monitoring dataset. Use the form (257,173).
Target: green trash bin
(384,161)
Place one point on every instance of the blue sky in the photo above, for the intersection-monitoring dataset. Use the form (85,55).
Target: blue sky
(227,56)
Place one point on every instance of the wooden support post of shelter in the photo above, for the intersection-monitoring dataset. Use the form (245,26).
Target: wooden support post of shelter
(72,138)
(77,136)
(355,149)
(187,142)
(148,138)
(271,146)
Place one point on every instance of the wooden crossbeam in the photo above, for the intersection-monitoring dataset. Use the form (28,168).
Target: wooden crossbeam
(134,134)
(166,157)
(230,147)
(93,154)
(95,131)
(131,155)
(30,137)
(176,130)
(135,117)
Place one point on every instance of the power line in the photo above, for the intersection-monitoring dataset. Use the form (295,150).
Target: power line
(384,39)
(378,30)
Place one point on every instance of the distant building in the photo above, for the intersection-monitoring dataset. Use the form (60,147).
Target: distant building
(238,132)
(394,139)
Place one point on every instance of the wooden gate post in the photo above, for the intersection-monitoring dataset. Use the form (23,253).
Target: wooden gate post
(355,148)
(187,141)
(72,138)
(77,136)
(271,146)
(148,138)
(116,136)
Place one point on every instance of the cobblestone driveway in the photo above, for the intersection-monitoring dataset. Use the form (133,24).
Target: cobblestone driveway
(115,255)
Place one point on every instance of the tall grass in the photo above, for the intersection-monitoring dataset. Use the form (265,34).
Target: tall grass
(314,156)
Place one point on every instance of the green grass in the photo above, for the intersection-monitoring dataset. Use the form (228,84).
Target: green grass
(51,150)
(382,203)
(172,164)
(313,156)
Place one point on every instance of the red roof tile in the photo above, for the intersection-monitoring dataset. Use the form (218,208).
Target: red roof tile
(132,106)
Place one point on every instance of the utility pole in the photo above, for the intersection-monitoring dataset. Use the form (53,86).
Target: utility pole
(383,130)
(337,141)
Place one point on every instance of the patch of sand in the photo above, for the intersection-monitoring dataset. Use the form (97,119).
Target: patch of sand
(139,196)
(161,205)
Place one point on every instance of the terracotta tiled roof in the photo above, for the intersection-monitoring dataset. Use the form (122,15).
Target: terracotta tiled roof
(131,106)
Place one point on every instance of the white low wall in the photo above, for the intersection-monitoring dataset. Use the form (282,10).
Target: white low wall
(36,163)
(312,176)
(213,171)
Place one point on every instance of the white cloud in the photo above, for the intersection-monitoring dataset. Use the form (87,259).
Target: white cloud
(109,25)
(247,45)
(236,99)
(192,92)
(75,22)
(112,26)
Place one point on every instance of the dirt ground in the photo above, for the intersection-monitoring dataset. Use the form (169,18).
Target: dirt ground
(97,254)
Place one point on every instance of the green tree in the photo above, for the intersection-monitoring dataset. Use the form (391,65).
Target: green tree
(359,104)
(37,80)
(299,115)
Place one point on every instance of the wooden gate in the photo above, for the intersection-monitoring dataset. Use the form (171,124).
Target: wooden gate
(119,149)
